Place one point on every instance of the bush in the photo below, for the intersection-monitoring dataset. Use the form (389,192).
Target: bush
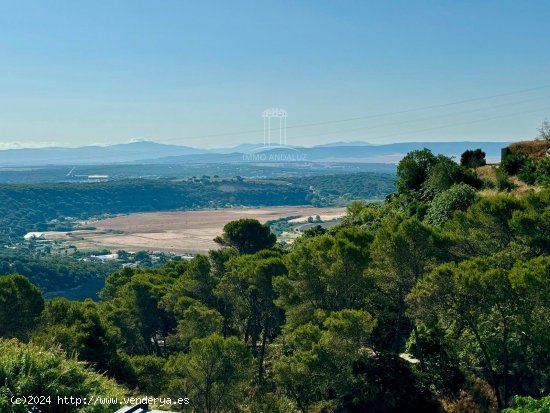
(473,158)
(445,174)
(529,405)
(457,198)
(513,162)
(543,172)
(528,172)
(503,183)
(20,305)
(29,370)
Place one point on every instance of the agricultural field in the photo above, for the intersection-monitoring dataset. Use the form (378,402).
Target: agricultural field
(180,232)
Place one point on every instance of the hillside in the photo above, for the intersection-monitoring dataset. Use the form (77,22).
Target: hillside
(537,149)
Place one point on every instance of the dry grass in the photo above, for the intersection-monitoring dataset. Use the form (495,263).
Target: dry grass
(488,172)
(179,232)
(533,149)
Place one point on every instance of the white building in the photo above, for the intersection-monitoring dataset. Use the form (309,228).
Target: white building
(33,235)
(105,258)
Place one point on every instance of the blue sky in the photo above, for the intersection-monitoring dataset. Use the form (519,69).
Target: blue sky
(97,72)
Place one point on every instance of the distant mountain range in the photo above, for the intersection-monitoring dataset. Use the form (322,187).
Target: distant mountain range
(152,152)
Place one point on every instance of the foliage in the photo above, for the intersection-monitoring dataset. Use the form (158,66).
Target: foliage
(530,405)
(529,170)
(457,198)
(444,174)
(55,206)
(29,370)
(414,169)
(427,175)
(319,367)
(513,162)
(248,289)
(247,236)
(437,299)
(82,331)
(325,273)
(498,317)
(339,190)
(472,158)
(53,274)
(502,181)
(213,374)
(20,305)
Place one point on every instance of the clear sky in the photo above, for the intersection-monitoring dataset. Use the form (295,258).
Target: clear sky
(97,72)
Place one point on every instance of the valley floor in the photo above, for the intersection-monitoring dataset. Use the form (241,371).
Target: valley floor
(179,232)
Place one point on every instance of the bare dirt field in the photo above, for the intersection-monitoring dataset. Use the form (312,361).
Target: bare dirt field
(179,231)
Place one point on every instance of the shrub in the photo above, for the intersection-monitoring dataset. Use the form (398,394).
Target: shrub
(457,198)
(528,172)
(473,158)
(502,181)
(29,370)
(543,172)
(529,405)
(513,162)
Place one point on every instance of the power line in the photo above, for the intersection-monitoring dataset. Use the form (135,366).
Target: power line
(364,128)
(418,109)
(463,123)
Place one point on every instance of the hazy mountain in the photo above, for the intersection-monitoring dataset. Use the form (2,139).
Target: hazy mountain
(152,152)
(343,143)
(128,152)
(389,153)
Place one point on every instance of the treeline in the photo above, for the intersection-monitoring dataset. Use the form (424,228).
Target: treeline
(33,207)
(437,300)
(340,190)
(42,207)
(54,273)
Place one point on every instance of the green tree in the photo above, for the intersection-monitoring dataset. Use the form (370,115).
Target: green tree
(472,158)
(214,374)
(148,374)
(445,173)
(529,405)
(325,273)
(248,285)
(513,162)
(247,236)
(196,321)
(20,305)
(82,331)
(137,309)
(414,169)
(485,228)
(197,282)
(317,370)
(458,197)
(403,251)
(531,223)
(496,319)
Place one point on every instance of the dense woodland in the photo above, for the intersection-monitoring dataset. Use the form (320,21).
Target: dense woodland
(54,273)
(437,300)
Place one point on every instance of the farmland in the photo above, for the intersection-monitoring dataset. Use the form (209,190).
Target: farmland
(179,232)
